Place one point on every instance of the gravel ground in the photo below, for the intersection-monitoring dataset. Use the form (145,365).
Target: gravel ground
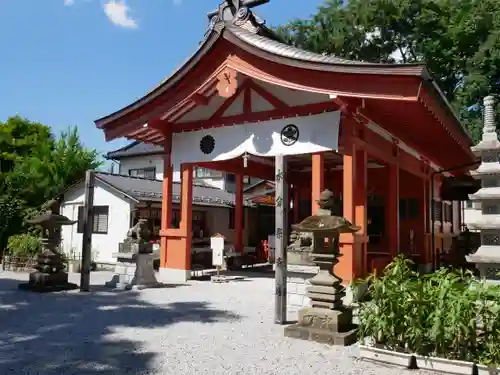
(199,328)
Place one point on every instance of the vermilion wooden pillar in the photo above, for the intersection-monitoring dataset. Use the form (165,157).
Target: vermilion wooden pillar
(393,210)
(351,262)
(178,241)
(361,212)
(238,214)
(318,180)
(166,201)
(424,214)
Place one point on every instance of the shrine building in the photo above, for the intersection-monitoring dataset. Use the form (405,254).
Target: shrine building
(379,136)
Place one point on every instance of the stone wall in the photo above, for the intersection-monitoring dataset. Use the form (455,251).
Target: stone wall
(296,284)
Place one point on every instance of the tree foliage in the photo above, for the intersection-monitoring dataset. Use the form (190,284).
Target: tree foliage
(34,167)
(459,40)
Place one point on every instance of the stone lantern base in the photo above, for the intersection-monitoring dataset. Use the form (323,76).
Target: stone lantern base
(49,276)
(48,282)
(332,327)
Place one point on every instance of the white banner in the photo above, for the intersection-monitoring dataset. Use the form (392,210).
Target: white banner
(289,136)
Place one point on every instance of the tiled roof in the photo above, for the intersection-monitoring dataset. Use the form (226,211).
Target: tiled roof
(135,149)
(281,49)
(143,189)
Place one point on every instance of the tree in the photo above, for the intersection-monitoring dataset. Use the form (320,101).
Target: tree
(34,167)
(458,39)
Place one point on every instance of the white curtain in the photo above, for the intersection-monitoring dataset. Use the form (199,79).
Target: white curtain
(290,136)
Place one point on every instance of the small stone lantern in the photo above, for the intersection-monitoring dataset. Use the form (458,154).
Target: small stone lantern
(50,274)
(326,320)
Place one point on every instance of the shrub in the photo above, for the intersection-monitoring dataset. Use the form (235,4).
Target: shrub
(444,314)
(24,245)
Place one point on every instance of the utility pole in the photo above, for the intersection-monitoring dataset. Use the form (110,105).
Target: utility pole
(88,224)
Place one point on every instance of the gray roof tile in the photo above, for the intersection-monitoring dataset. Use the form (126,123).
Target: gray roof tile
(278,48)
(143,189)
(135,149)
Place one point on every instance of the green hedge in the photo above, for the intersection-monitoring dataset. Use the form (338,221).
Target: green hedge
(445,314)
(24,245)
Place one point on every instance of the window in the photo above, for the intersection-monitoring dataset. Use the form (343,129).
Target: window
(176,218)
(199,230)
(468,204)
(100,224)
(231,177)
(232,218)
(149,173)
(200,172)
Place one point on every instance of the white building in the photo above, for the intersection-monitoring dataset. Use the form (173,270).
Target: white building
(135,191)
(146,160)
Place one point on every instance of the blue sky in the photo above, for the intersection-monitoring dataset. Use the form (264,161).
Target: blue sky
(69,62)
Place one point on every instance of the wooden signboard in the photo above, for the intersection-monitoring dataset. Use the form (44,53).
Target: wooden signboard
(217,246)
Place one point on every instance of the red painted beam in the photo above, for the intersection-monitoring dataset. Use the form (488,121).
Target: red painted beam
(272,99)
(227,103)
(305,110)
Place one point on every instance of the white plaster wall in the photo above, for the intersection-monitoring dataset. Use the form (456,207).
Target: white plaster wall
(156,161)
(147,161)
(218,183)
(103,245)
(297,281)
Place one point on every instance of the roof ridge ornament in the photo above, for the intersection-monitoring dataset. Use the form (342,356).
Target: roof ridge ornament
(237,12)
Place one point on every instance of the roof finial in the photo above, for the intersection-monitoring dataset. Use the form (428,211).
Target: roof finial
(489,115)
(235,11)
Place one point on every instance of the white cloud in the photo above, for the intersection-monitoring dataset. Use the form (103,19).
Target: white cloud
(177,2)
(69,2)
(118,13)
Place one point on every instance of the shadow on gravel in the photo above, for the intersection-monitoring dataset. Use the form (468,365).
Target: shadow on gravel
(73,333)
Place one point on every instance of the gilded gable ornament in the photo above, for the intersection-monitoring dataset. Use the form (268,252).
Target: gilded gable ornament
(227,83)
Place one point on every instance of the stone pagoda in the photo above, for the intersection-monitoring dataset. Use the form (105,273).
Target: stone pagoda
(487,257)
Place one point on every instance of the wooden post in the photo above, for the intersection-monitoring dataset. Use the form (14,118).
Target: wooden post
(318,180)
(88,224)
(281,238)
(393,228)
(238,215)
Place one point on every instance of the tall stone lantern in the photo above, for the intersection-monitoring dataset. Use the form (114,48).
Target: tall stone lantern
(50,274)
(326,320)
(487,257)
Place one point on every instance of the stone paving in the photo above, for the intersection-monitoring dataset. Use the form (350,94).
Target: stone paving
(198,328)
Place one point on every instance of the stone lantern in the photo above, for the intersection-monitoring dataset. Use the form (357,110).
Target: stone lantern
(50,274)
(327,320)
(487,257)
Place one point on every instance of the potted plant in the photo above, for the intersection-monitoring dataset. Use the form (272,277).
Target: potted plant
(444,321)
(382,317)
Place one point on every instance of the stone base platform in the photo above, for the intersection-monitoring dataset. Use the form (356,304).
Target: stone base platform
(134,271)
(225,279)
(321,335)
(42,282)
(325,326)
